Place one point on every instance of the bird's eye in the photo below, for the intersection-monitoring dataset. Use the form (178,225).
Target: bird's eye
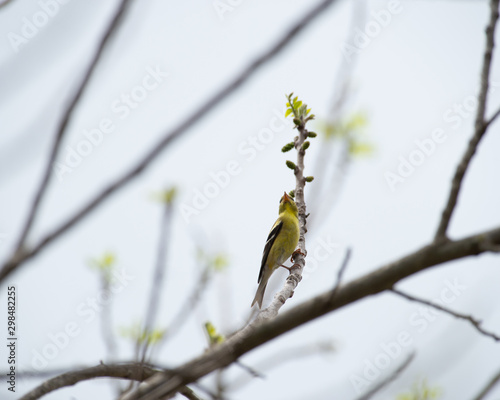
(281,200)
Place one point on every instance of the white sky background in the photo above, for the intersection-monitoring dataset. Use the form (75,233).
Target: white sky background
(424,62)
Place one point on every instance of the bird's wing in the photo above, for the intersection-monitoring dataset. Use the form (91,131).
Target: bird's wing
(269,244)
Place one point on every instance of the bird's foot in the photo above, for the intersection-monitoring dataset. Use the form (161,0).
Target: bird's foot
(290,269)
(295,253)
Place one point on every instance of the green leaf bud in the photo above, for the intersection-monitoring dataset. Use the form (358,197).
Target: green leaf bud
(287,147)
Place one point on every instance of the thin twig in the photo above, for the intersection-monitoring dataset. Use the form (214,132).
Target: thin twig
(489,386)
(65,119)
(106,321)
(203,389)
(341,271)
(347,66)
(189,305)
(480,126)
(334,182)
(189,394)
(493,118)
(324,194)
(253,372)
(220,385)
(156,289)
(168,138)
(389,379)
(282,357)
(475,323)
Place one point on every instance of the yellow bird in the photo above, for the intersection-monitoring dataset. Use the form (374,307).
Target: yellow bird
(280,244)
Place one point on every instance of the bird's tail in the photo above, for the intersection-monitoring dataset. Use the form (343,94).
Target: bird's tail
(259,296)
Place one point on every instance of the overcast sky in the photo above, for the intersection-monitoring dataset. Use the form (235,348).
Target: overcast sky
(415,77)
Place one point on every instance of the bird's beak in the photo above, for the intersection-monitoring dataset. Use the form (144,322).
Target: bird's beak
(286,198)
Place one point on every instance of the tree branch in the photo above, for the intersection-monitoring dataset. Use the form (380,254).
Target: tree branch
(45,373)
(479,127)
(133,371)
(490,385)
(475,323)
(256,334)
(71,376)
(63,124)
(168,138)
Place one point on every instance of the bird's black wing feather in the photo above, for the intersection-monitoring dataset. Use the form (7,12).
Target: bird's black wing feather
(270,241)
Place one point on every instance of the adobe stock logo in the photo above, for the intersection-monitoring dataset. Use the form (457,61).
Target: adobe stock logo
(390,351)
(454,117)
(30,27)
(87,311)
(222,7)
(406,167)
(219,180)
(362,38)
(322,251)
(372,370)
(75,154)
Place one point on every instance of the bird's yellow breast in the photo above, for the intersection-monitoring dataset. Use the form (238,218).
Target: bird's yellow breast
(289,237)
